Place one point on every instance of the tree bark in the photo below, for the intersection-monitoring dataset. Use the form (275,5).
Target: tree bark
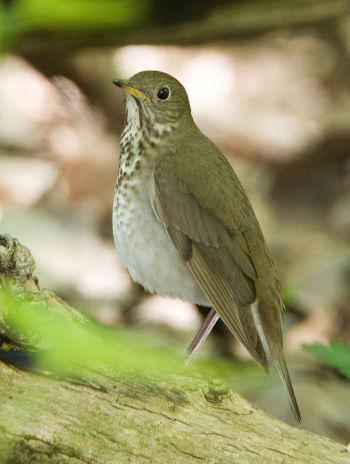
(110,418)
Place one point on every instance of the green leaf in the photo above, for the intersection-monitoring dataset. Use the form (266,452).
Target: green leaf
(337,355)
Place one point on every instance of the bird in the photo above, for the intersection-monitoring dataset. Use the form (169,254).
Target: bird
(184,226)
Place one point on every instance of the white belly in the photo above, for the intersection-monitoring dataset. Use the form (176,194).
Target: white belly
(146,249)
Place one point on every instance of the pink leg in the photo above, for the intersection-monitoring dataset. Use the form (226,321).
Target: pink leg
(202,334)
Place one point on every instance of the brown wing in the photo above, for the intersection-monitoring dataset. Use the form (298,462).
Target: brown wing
(215,250)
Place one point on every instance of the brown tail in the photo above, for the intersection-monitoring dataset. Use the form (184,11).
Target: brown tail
(281,367)
(271,341)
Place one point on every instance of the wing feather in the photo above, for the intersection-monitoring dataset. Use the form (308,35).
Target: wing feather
(218,258)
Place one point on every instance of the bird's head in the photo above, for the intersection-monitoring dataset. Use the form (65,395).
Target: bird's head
(157,97)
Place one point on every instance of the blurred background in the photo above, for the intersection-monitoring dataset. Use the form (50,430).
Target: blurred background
(269,83)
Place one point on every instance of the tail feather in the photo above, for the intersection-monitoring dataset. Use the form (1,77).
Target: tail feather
(281,367)
(272,345)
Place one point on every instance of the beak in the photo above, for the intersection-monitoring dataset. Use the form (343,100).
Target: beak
(130,90)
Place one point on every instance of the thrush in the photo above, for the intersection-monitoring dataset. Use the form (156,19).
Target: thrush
(184,226)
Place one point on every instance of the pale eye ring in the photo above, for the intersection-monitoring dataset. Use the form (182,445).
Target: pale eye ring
(163,93)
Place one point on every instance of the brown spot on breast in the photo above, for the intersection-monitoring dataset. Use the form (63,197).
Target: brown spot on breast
(129,155)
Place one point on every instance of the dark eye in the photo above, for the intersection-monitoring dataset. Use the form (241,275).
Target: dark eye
(163,94)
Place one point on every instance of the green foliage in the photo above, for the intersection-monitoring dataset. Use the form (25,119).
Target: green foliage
(22,16)
(337,355)
(81,14)
(64,342)
(60,341)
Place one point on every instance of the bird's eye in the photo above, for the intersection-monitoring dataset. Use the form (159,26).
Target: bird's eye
(163,94)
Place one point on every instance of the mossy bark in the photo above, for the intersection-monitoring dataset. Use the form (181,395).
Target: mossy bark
(43,420)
